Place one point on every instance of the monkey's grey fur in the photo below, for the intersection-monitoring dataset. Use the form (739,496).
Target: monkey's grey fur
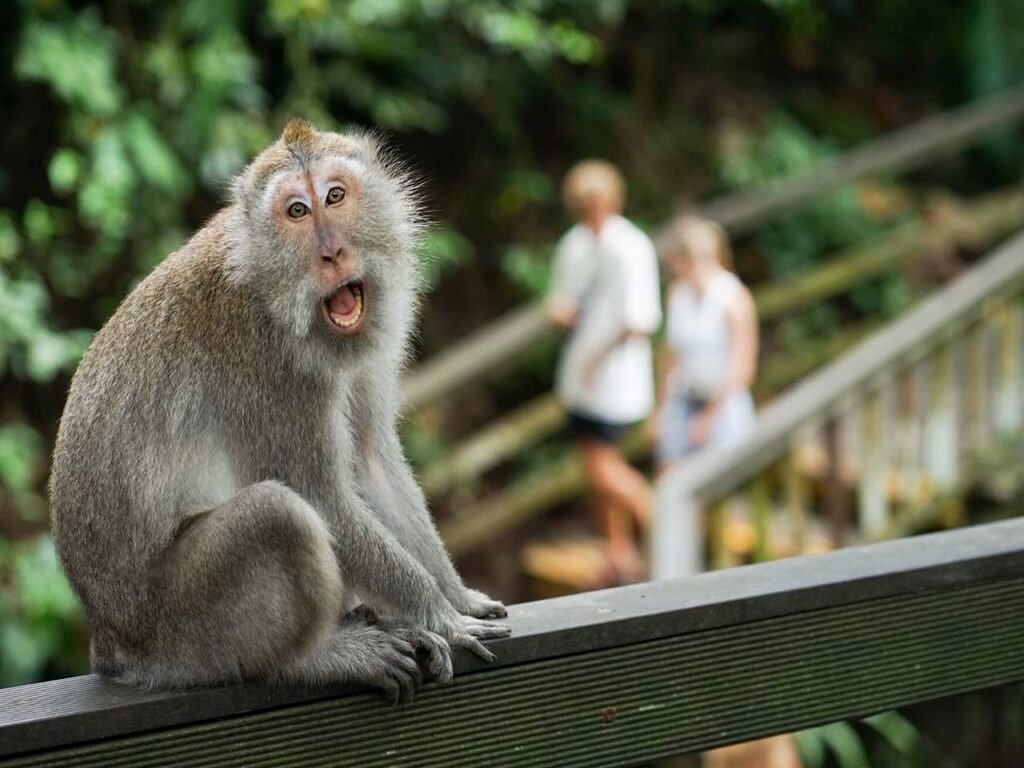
(228,482)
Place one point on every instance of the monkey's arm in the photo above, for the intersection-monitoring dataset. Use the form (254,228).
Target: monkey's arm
(396,497)
(375,562)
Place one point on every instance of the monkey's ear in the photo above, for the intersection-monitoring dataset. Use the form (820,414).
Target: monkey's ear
(240,186)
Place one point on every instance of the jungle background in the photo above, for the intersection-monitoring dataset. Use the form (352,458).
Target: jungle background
(125,121)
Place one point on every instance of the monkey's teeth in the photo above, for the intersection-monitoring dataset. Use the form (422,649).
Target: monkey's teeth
(353,317)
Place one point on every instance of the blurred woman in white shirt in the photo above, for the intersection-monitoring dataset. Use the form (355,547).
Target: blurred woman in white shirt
(711,339)
(605,293)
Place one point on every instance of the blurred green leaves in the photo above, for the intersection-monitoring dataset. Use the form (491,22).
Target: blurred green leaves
(76,59)
(41,627)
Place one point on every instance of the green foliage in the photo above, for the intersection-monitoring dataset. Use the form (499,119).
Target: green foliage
(21,448)
(41,628)
(799,241)
(888,740)
(443,248)
(424,445)
(795,243)
(528,268)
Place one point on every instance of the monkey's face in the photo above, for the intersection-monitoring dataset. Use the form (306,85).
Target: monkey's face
(341,228)
(315,212)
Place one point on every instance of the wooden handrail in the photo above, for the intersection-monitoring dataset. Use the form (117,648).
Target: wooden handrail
(622,676)
(504,338)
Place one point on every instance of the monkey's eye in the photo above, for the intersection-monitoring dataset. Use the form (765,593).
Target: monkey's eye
(297,210)
(335,195)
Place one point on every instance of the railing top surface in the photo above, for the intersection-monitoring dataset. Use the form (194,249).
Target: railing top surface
(82,709)
(718,470)
(901,150)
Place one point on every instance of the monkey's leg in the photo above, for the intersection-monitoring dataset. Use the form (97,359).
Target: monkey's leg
(245,589)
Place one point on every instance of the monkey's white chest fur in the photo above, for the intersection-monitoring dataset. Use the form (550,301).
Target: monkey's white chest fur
(213,480)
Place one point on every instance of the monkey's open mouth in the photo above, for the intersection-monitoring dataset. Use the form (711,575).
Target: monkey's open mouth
(344,309)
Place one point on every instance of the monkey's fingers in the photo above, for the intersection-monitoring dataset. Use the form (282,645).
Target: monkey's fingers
(473,645)
(486,630)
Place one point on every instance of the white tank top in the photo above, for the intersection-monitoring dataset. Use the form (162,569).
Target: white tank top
(697,330)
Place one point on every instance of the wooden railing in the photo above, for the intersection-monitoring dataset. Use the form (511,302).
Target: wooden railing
(900,421)
(613,678)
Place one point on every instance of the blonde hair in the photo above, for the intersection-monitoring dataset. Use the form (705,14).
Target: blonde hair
(695,238)
(590,178)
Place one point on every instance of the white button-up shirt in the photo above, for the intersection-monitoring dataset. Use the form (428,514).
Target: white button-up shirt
(612,281)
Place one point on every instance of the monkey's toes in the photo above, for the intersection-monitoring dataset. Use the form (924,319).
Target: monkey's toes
(473,645)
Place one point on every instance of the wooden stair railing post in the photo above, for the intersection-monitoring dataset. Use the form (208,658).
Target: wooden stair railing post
(942,454)
(1008,410)
(677,538)
(978,381)
(872,493)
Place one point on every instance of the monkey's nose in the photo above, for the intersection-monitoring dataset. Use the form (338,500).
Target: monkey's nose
(338,255)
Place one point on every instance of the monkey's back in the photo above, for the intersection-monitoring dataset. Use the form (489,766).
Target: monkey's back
(133,405)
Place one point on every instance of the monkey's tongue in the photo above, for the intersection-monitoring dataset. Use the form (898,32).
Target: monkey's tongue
(343,303)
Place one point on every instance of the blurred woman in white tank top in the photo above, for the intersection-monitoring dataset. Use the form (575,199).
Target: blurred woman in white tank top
(711,339)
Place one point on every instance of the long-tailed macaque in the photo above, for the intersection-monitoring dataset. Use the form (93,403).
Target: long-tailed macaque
(229,496)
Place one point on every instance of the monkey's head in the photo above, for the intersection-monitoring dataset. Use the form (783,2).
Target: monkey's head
(327,237)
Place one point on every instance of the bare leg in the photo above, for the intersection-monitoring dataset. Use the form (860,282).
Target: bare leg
(621,495)
(622,547)
(613,476)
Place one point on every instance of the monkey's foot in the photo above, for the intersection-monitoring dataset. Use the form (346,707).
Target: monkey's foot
(372,654)
(467,632)
(431,649)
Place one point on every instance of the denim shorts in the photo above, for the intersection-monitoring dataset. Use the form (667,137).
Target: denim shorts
(733,421)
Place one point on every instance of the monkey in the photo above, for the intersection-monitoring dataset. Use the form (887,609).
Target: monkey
(229,496)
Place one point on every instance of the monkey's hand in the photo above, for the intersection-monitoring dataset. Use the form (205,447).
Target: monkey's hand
(480,606)
(467,631)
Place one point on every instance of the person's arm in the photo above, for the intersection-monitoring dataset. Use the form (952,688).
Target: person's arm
(742,317)
(668,358)
(562,312)
(602,352)
(562,301)
(741,314)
